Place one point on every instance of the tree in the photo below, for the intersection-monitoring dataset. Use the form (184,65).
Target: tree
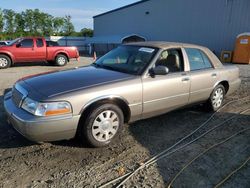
(68,26)
(87,32)
(28,19)
(9,16)
(1,21)
(19,23)
(58,24)
(33,22)
(46,24)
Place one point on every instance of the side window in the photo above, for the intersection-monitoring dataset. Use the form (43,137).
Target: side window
(195,59)
(172,59)
(207,62)
(27,43)
(39,42)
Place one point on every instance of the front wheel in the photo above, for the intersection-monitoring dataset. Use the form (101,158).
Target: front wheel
(216,98)
(102,125)
(5,62)
(61,60)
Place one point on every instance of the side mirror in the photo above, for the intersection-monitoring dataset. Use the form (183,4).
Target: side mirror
(18,45)
(160,70)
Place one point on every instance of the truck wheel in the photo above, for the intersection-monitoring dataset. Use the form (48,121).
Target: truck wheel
(61,60)
(5,62)
(102,125)
(216,98)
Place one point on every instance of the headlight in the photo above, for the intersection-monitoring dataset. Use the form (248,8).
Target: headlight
(46,109)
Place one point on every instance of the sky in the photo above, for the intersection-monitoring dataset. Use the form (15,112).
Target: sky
(81,11)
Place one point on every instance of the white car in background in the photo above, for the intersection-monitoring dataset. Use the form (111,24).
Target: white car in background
(3,43)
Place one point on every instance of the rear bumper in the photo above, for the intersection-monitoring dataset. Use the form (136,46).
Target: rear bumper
(234,86)
(40,128)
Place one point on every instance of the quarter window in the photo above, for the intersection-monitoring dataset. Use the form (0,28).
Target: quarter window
(27,43)
(197,59)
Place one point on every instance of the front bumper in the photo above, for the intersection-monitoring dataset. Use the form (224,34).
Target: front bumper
(40,129)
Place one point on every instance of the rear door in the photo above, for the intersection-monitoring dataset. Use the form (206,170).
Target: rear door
(40,49)
(162,93)
(25,50)
(202,73)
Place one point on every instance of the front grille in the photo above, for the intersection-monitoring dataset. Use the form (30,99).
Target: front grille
(16,97)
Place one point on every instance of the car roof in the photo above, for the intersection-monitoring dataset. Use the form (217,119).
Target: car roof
(162,44)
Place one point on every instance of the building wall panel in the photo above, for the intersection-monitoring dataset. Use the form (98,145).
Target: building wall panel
(213,23)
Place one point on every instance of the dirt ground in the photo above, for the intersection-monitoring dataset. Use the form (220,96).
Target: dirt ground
(69,164)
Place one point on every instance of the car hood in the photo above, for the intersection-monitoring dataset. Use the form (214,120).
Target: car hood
(61,82)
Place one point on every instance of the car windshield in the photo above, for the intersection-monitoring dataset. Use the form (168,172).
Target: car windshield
(127,59)
(13,42)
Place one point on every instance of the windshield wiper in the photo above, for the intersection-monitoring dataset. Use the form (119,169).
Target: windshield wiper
(96,65)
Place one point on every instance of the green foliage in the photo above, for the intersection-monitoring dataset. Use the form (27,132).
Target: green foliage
(86,32)
(36,23)
(1,21)
(9,17)
(68,26)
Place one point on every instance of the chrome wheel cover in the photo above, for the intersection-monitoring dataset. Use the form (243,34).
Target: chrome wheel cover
(105,126)
(217,98)
(61,60)
(3,62)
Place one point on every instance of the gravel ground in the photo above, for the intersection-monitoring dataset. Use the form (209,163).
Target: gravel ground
(69,164)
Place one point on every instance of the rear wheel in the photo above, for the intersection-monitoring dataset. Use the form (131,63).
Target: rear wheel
(61,60)
(5,62)
(216,99)
(102,125)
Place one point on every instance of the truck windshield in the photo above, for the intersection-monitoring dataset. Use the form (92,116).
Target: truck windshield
(127,59)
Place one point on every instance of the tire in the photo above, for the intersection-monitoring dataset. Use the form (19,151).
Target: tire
(5,62)
(216,98)
(102,125)
(61,60)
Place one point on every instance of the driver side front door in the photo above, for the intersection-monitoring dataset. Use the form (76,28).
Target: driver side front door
(25,51)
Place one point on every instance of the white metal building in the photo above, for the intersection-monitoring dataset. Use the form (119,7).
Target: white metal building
(212,23)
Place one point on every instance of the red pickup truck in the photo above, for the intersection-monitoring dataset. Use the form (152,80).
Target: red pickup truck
(35,49)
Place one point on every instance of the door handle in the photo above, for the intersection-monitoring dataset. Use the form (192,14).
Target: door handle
(214,75)
(185,79)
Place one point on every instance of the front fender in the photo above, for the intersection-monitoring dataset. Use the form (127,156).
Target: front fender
(105,97)
(12,57)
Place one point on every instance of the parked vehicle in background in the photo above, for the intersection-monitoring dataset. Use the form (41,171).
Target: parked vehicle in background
(35,49)
(51,43)
(132,82)
(3,43)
